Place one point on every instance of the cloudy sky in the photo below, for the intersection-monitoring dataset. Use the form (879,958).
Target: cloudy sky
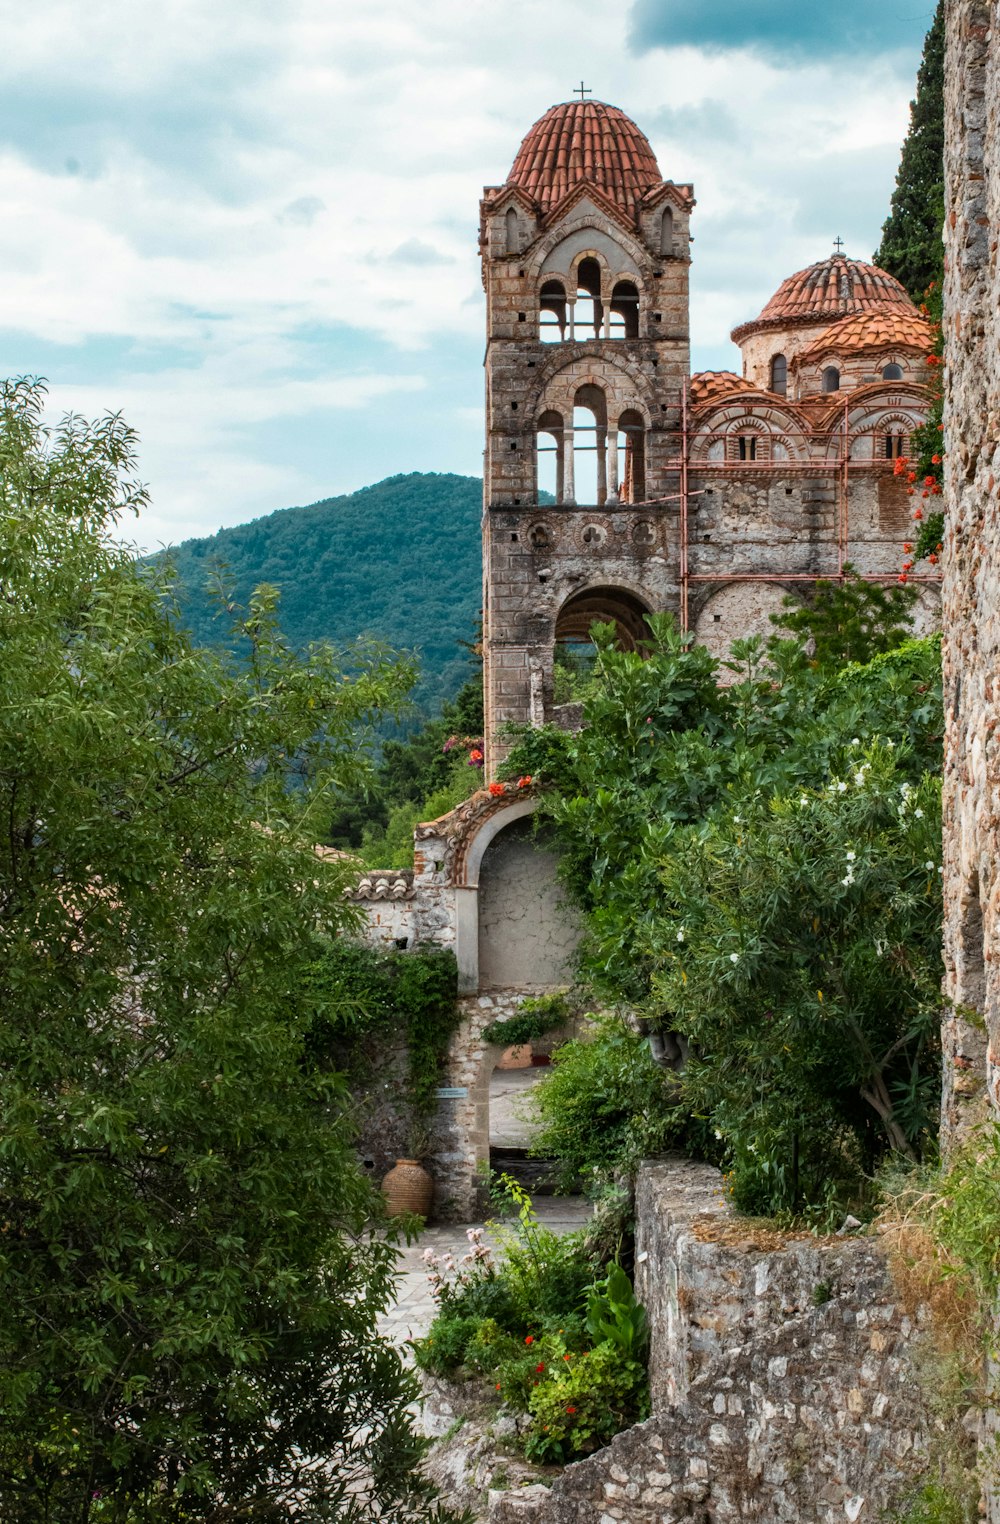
(252,226)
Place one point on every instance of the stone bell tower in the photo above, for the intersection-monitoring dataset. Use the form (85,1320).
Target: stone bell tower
(585,253)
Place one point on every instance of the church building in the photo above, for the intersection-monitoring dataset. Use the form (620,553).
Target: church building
(617,483)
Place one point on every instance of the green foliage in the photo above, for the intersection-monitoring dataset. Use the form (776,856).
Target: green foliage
(849,621)
(614,1316)
(188,1286)
(604,1105)
(515,1323)
(911,247)
(596,1395)
(939,1503)
(706,832)
(351,564)
(353,992)
(535,1018)
(416,779)
(966,1215)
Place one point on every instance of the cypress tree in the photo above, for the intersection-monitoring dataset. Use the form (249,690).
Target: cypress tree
(911,247)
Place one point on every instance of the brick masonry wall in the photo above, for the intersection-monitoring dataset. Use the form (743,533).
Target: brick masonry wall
(782,1378)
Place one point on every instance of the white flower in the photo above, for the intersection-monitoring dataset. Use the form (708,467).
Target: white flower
(859,778)
(941,871)
(855,741)
(919,814)
(718,1135)
(803,799)
(848,880)
(929,866)
(680,935)
(734,957)
(891,745)
(841,787)
(737,819)
(851,856)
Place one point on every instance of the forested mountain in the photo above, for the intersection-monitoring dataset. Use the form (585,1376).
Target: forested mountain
(399,560)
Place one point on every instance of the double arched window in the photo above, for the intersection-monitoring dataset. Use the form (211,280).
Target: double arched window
(579,309)
(584,459)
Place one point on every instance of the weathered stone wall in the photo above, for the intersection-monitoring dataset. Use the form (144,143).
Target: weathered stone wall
(782,1381)
(972,566)
(528,933)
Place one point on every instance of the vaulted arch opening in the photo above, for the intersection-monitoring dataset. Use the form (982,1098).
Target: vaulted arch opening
(624,322)
(588,310)
(632,456)
(549,456)
(552,312)
(590,434)
(605,605)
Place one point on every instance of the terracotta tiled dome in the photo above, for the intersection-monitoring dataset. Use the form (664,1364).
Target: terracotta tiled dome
(861,331)
(585,141)
(710,385)
(832,288)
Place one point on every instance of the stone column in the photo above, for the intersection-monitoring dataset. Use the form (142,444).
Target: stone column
(613,464)
(569,480)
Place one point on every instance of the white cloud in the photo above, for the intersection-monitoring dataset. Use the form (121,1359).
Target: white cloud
(249,175)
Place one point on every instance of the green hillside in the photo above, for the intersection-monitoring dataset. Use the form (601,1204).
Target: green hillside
(399,560)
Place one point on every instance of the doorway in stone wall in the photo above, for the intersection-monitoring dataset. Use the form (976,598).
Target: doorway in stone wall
(528,935)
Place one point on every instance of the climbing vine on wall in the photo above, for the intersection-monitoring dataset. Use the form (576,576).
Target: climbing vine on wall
(362,1000)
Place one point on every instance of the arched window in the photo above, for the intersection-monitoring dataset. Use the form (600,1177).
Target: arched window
(512,232)
(895,446)
(667,232)
(632,456)
(779,374)
(549,455)
(893,372)
(590,430)
(552,312)
(588,314)
(624,311)
(831,379)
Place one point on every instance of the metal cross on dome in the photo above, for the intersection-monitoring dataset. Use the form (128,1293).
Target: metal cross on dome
(583,90)
(838,243)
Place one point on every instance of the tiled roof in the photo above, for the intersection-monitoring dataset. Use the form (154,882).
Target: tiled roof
(709,385)
(860,331)
(585,142)
(830,289)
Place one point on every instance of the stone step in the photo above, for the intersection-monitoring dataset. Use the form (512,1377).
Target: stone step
(536,1175)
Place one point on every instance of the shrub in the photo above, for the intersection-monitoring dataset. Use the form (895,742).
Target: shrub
(604,1105)
(535,1018)
(593,1396)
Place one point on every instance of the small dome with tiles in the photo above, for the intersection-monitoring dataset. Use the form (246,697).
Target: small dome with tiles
(830,289)
(864,332)
(585,142)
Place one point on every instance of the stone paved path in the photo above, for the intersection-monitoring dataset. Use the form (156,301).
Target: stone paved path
(414,1308)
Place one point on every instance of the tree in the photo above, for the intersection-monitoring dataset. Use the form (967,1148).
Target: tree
(911,247)
(758,867)
(851,620)
(188,1286)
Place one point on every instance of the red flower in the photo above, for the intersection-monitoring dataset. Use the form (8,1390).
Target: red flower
(539,1369)
(907,565)
(903,577)
(565,1357)
(929,481)
(936,490)
(918,513)
(571,1410)
(911,476)
(497,790)
(907,548)
(925,494)
(530,1339)
(932,558)
(524,782)
(935,460)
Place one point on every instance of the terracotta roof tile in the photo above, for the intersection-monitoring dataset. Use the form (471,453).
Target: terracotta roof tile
(710,385)
(860,331)
(832,288)
(585,141)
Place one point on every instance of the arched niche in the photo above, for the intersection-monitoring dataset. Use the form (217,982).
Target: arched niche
(527,931)
(735,612)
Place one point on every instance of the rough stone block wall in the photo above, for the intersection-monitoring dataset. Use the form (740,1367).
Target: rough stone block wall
(972,565)
(782,1378)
